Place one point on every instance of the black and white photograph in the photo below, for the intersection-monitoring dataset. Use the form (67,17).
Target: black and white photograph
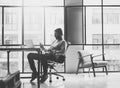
(59,43)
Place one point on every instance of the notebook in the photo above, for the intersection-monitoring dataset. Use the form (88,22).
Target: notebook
(29,43)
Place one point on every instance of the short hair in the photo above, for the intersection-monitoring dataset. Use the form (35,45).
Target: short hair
(59,31)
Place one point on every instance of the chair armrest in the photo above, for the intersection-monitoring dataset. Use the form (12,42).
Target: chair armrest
(86,55)
(98,55)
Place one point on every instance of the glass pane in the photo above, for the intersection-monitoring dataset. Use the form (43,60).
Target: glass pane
(34,25)
(111,25)
(15,61)
(12,26)
(44,2)
(0,26)
(93,25)
(73,2)
(111,2)
(92,2)
(54,18)
(112,38)
(26,63)
(112,53)
(3,63)
(11,2)
(94,49)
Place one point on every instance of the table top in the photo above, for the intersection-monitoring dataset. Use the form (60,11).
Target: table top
(17,49)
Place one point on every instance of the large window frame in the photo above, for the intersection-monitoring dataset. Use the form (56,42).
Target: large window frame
(102,46)
(100,4)
(95,43)
(23,55)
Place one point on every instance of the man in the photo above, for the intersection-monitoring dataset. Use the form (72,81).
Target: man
(56,50)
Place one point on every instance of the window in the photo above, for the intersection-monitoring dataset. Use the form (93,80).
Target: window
(12,25)
(0,26)
(11,2)
(21,20)
(43,2)
(111,25)
(111,2)
(92,2)
(102,30)
(93,25)
(34,24)
(54,18)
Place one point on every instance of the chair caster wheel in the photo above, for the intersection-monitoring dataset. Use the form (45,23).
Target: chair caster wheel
(63,79)
(50,81)
(57,77)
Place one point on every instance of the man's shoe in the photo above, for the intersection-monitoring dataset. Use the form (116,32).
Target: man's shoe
(34,76)
(43,78)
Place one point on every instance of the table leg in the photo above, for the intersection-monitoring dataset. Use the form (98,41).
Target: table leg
(8,65)
(39,73)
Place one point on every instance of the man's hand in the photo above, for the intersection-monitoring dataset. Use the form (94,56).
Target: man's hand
(42,47)
(51,51)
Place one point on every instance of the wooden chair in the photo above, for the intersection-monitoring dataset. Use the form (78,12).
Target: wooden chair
(87,60)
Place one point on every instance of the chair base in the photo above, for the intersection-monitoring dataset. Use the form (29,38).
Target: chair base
(51,67)
(56,74)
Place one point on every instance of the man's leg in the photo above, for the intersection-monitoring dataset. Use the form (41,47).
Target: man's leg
(44,65)
(44,61)
(31,58)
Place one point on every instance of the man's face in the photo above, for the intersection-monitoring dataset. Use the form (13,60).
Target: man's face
(56,34)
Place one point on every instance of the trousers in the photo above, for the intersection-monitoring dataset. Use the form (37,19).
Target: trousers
(43,57)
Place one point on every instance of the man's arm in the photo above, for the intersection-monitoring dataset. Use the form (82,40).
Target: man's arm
(62,50)
(42,47)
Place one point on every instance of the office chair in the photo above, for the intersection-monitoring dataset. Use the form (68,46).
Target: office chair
(87,60)
(52,65)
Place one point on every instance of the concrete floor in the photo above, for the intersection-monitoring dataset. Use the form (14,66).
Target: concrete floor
(83,80)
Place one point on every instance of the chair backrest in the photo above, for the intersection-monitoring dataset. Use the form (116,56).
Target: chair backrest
(67,45)
(61,58)
(84,56)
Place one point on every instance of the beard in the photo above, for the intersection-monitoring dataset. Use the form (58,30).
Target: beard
(58,37)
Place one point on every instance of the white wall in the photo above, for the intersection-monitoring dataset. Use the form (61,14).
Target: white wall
(72,58)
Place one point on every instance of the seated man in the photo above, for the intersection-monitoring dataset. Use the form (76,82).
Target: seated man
(56,49)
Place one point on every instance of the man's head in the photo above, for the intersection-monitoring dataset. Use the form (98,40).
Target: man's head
(58,33)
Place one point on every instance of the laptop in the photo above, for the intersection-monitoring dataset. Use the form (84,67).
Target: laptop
(29,43)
